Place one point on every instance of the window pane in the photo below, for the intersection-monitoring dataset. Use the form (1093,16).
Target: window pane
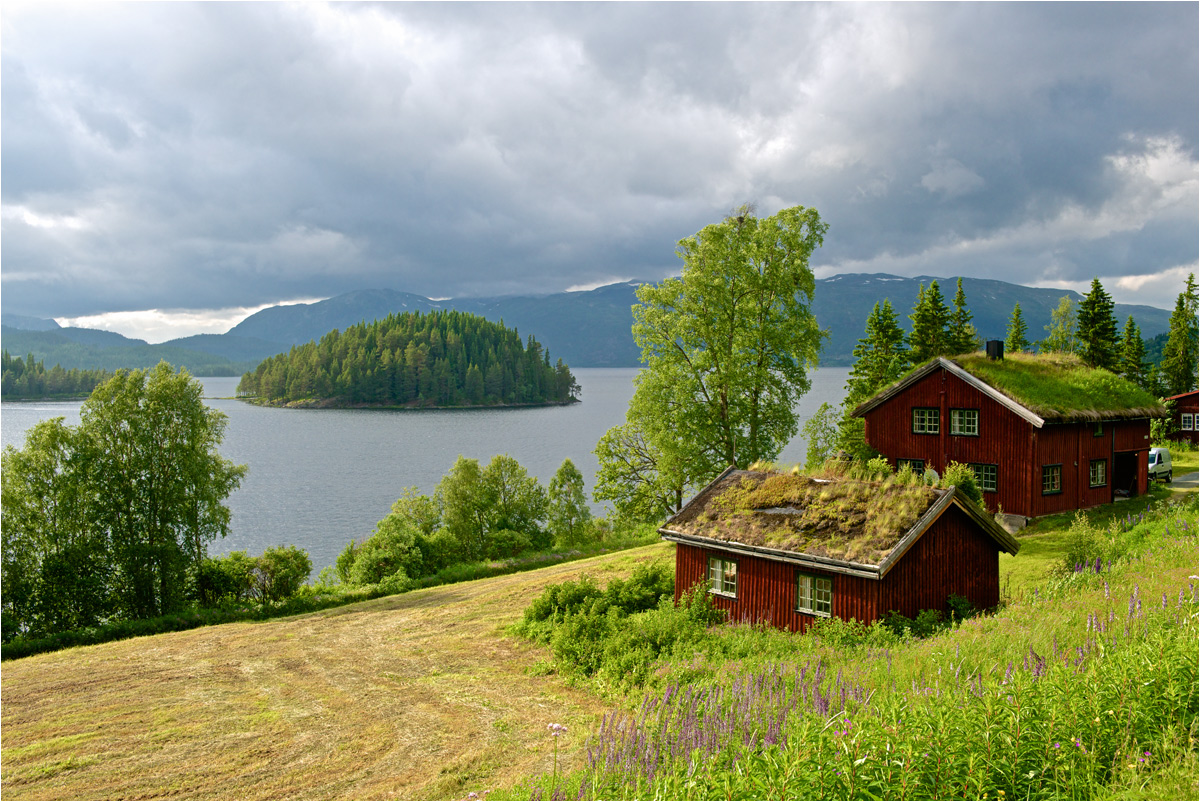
(730,578)
(823,601)
(804,592)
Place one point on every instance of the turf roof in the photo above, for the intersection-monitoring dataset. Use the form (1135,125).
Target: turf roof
(1062,387)
(837,518)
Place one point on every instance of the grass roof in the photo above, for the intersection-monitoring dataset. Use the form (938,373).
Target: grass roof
(835,516)
(1062,387)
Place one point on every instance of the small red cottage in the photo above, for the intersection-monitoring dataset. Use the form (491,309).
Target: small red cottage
(1044,434)
(788,549)
(1187,418)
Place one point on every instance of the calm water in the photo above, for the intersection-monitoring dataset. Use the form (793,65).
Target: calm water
(319,478)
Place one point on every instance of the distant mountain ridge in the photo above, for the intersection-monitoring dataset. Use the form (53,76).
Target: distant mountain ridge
(584,329)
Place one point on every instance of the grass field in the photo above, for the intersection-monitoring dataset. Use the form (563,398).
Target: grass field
(418,696)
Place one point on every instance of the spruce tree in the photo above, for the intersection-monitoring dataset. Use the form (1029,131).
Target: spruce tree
(1132,363)
(1016,342)
(880,358)
(930,319)
(1178,370)
(1097,328)
(961,337)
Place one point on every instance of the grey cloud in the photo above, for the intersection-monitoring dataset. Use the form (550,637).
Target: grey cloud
(236,154)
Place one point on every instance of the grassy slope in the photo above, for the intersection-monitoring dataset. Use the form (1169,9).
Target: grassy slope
(412,696)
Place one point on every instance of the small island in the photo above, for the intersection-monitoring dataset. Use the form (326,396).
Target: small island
(443,359)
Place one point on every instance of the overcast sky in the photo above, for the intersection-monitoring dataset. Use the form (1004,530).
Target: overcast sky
(169,167)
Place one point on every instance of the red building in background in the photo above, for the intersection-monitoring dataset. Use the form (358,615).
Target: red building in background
(1058,437)
(1187,417)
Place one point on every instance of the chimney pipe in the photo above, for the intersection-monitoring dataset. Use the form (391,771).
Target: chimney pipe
(995,349)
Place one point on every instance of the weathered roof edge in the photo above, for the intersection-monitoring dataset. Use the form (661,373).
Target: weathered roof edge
(947,497)
(942,362)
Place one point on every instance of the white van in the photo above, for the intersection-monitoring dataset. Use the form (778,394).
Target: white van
(1160,464)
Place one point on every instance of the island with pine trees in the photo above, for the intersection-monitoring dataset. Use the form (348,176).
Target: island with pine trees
(438,359)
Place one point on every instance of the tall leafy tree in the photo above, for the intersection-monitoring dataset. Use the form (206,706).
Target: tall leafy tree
(961,335)
(568,510)
(930,318)
(1096,328)
(1017,341)
(1132,361)
(728,344)
(642,482)
(1060,333)
(880,358)
(1179,364)
(514,499)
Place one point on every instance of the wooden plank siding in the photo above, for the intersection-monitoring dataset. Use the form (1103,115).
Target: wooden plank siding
(1018,448)
(1186,403)
(952,556)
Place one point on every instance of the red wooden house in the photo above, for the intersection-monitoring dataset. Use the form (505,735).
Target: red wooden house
(1044,434)
(787,550)
(1187,417)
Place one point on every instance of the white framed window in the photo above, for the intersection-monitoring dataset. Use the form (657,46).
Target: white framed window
(1098,472)
(985,475)
(814,594)
(926,420)
(964,422)
(1051,479)
(722,576)
(1187,422)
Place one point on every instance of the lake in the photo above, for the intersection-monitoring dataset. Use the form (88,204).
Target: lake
(320,478)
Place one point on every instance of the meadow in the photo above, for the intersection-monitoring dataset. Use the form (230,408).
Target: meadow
(429,694)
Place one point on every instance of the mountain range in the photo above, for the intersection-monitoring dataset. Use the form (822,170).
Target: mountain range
(584,329)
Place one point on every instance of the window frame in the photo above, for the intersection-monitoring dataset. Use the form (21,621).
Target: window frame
(723,577)
(978,467)
(956,419)
(1052,470)
(1187,421)
(814,600)
(1103,463)
(910,462)
(931,420)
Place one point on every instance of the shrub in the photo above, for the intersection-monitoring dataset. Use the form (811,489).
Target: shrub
(507,543)
(963,477)
(280,572)
(224,579)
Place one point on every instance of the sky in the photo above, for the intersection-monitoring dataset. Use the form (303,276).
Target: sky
(168,168)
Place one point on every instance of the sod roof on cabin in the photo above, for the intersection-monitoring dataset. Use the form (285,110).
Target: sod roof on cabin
(1056,387)
(1062,387)
(837,518)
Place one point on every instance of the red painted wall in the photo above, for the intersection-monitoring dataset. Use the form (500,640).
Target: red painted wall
(953,556)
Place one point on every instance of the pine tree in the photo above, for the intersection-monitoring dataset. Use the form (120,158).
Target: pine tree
(1132,362)
(1060,334)
(880,358)
(962,337)
(1178,371)
(1097,329)
(930,319)
(1016,342)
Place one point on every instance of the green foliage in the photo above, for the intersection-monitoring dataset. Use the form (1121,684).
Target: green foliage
(224,580)
(1060,333)
(569,516)
(1017,341)
(962,477)
(112,519)
(393,547)
(961,337)
(279,573)
(1180,354)
(1097,329)
(930,319)
(880,358)
(28,378)
(728,344)
(1131,364)
(642,482)
(821,432)
(442,358)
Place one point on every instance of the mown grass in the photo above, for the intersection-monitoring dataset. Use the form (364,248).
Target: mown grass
(417,696)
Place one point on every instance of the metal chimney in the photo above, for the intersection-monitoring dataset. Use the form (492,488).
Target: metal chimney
(995,349)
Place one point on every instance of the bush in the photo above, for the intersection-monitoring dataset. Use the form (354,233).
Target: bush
(507,543)
(227,579)
(963,477)
(280,572)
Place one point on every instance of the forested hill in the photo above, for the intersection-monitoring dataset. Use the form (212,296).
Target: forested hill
(435,359)
(28,378)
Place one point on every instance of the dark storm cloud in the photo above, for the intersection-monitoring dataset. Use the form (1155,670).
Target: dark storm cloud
(192,156)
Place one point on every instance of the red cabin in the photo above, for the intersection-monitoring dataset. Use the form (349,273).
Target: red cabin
(1187,417)
(787,549)
(1044,434)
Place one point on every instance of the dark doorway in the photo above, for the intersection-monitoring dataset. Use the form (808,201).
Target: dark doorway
(1124,478)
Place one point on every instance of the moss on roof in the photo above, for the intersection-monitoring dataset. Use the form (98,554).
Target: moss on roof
(1062,387)
(830,515)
